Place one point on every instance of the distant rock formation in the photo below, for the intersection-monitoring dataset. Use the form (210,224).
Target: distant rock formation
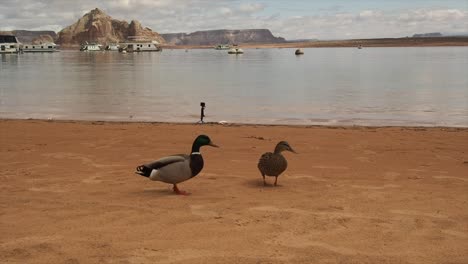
(42,39)
(97,26)
(28,36)
(222,36)
(428,35)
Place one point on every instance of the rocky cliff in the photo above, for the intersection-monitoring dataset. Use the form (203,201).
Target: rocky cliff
(97,26)
(222,36)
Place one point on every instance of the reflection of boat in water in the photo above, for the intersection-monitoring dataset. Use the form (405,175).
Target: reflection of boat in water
(139,45)
(43,47)
(112,47)
(235,50)
(9,44)
(299,52)
(223,47)
(91,47)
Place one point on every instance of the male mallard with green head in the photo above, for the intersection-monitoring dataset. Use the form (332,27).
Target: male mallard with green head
(177,168)
(273,164)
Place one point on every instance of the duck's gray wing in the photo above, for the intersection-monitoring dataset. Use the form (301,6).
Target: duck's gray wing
(166,161)
(146,169)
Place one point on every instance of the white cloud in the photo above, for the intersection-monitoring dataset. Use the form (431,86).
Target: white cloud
(251,8)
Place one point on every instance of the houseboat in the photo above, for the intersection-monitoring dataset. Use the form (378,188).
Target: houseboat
(9,44)
(222,47)
(299,52)
(236,51)
(91,47)
(43,47)
(140,46)
(112,47)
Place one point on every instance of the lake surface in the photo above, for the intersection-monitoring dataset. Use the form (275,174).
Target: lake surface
(425,86)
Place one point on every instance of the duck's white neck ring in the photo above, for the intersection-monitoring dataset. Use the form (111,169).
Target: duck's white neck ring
(195,153)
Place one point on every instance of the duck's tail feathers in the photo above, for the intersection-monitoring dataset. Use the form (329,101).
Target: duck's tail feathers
(143,170)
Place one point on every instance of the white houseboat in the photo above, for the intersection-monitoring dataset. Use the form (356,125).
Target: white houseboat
(112,47)
(140,46)
(9,44)
(91,47)
(236,50)
(43,47)
(223,47)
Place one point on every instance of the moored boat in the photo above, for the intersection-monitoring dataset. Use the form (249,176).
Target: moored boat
(91,47)
(236,51)
(223,47)
(9,44)
(112,47)
(139,45)
(299,52)
(43,47)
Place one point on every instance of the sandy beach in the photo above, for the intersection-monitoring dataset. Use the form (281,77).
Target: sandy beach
(352,195)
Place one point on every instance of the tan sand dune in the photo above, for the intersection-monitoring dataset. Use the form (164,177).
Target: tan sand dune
(352,195)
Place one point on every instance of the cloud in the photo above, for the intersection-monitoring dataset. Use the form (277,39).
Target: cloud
(166,16)
(251,8)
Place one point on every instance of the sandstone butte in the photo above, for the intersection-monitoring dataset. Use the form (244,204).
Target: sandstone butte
(97,26)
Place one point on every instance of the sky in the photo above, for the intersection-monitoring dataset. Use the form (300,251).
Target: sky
(293,19)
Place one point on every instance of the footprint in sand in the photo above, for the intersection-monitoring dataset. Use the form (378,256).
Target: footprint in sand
(417,213)
(276,209)
(363,159)
(330,167)
(48,189)
(92,180)
(147,255)
(450,178)
(84,160)
(326,214)
(306,176)
(455,233)
(199,210)
(291,240)
(391,175)
(385,186)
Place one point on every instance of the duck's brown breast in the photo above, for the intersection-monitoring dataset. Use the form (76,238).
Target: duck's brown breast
(272,164)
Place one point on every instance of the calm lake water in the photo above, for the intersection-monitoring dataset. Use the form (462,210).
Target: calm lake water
(342,86)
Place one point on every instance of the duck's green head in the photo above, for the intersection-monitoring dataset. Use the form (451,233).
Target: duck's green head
(202,140)
(284,146)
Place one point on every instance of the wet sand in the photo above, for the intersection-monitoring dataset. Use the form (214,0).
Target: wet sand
(352,195)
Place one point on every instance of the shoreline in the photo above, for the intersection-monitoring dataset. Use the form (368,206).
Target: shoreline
(337,126)
(351,43)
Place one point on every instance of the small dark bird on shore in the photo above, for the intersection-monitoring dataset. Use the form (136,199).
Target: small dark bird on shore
(177,168)
(273,164)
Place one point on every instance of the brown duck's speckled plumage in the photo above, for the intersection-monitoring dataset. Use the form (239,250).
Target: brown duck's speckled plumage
(273,164)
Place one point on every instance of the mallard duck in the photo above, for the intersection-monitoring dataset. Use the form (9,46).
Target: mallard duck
(273,164)
(177,168)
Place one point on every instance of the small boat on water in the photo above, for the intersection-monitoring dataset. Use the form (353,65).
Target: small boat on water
(43,47)
(222,47)
(9,44)
(91,47)
(112,47)
(236,51)
(359,47)
(299,52)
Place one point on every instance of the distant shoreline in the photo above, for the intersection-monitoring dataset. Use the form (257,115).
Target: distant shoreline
(383,42)
(337,126)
